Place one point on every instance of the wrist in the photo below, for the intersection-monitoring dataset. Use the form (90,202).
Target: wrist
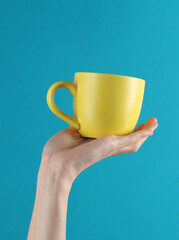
(50,208)
(56,172)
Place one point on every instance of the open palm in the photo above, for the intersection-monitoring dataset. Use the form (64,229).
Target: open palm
(77,152)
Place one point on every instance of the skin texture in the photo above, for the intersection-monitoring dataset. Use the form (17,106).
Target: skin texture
(64,156)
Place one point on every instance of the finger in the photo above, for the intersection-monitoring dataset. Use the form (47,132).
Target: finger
(140,137)
(130,148)
(133,145)
(151,124)
(144,130)
(146,125)
(147,129)
(140,127)
(133,141)
(127,143)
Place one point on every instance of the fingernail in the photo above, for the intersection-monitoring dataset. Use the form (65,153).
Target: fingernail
(153,119)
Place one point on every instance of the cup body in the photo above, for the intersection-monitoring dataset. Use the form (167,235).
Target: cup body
(107,103)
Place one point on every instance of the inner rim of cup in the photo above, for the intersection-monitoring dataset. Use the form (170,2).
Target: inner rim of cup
(124,76)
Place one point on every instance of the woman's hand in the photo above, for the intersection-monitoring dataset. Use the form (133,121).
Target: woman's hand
(64,156)
(73,153)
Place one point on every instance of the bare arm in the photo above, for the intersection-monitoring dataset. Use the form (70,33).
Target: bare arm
(65,155)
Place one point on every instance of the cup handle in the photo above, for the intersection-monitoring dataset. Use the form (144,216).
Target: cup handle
(72,87)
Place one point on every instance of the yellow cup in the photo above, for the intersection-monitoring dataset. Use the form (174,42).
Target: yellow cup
(102,103)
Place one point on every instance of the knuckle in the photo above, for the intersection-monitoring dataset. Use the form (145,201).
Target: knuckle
(147,133)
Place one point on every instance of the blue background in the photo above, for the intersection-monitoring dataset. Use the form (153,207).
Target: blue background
(128,197)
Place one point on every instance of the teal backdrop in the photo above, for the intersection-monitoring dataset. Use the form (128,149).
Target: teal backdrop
(128,197)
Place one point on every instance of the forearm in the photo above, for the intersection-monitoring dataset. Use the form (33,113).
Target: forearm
(65,155)
(50,209)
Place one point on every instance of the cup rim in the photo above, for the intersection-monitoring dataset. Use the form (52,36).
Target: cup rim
(124,76)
